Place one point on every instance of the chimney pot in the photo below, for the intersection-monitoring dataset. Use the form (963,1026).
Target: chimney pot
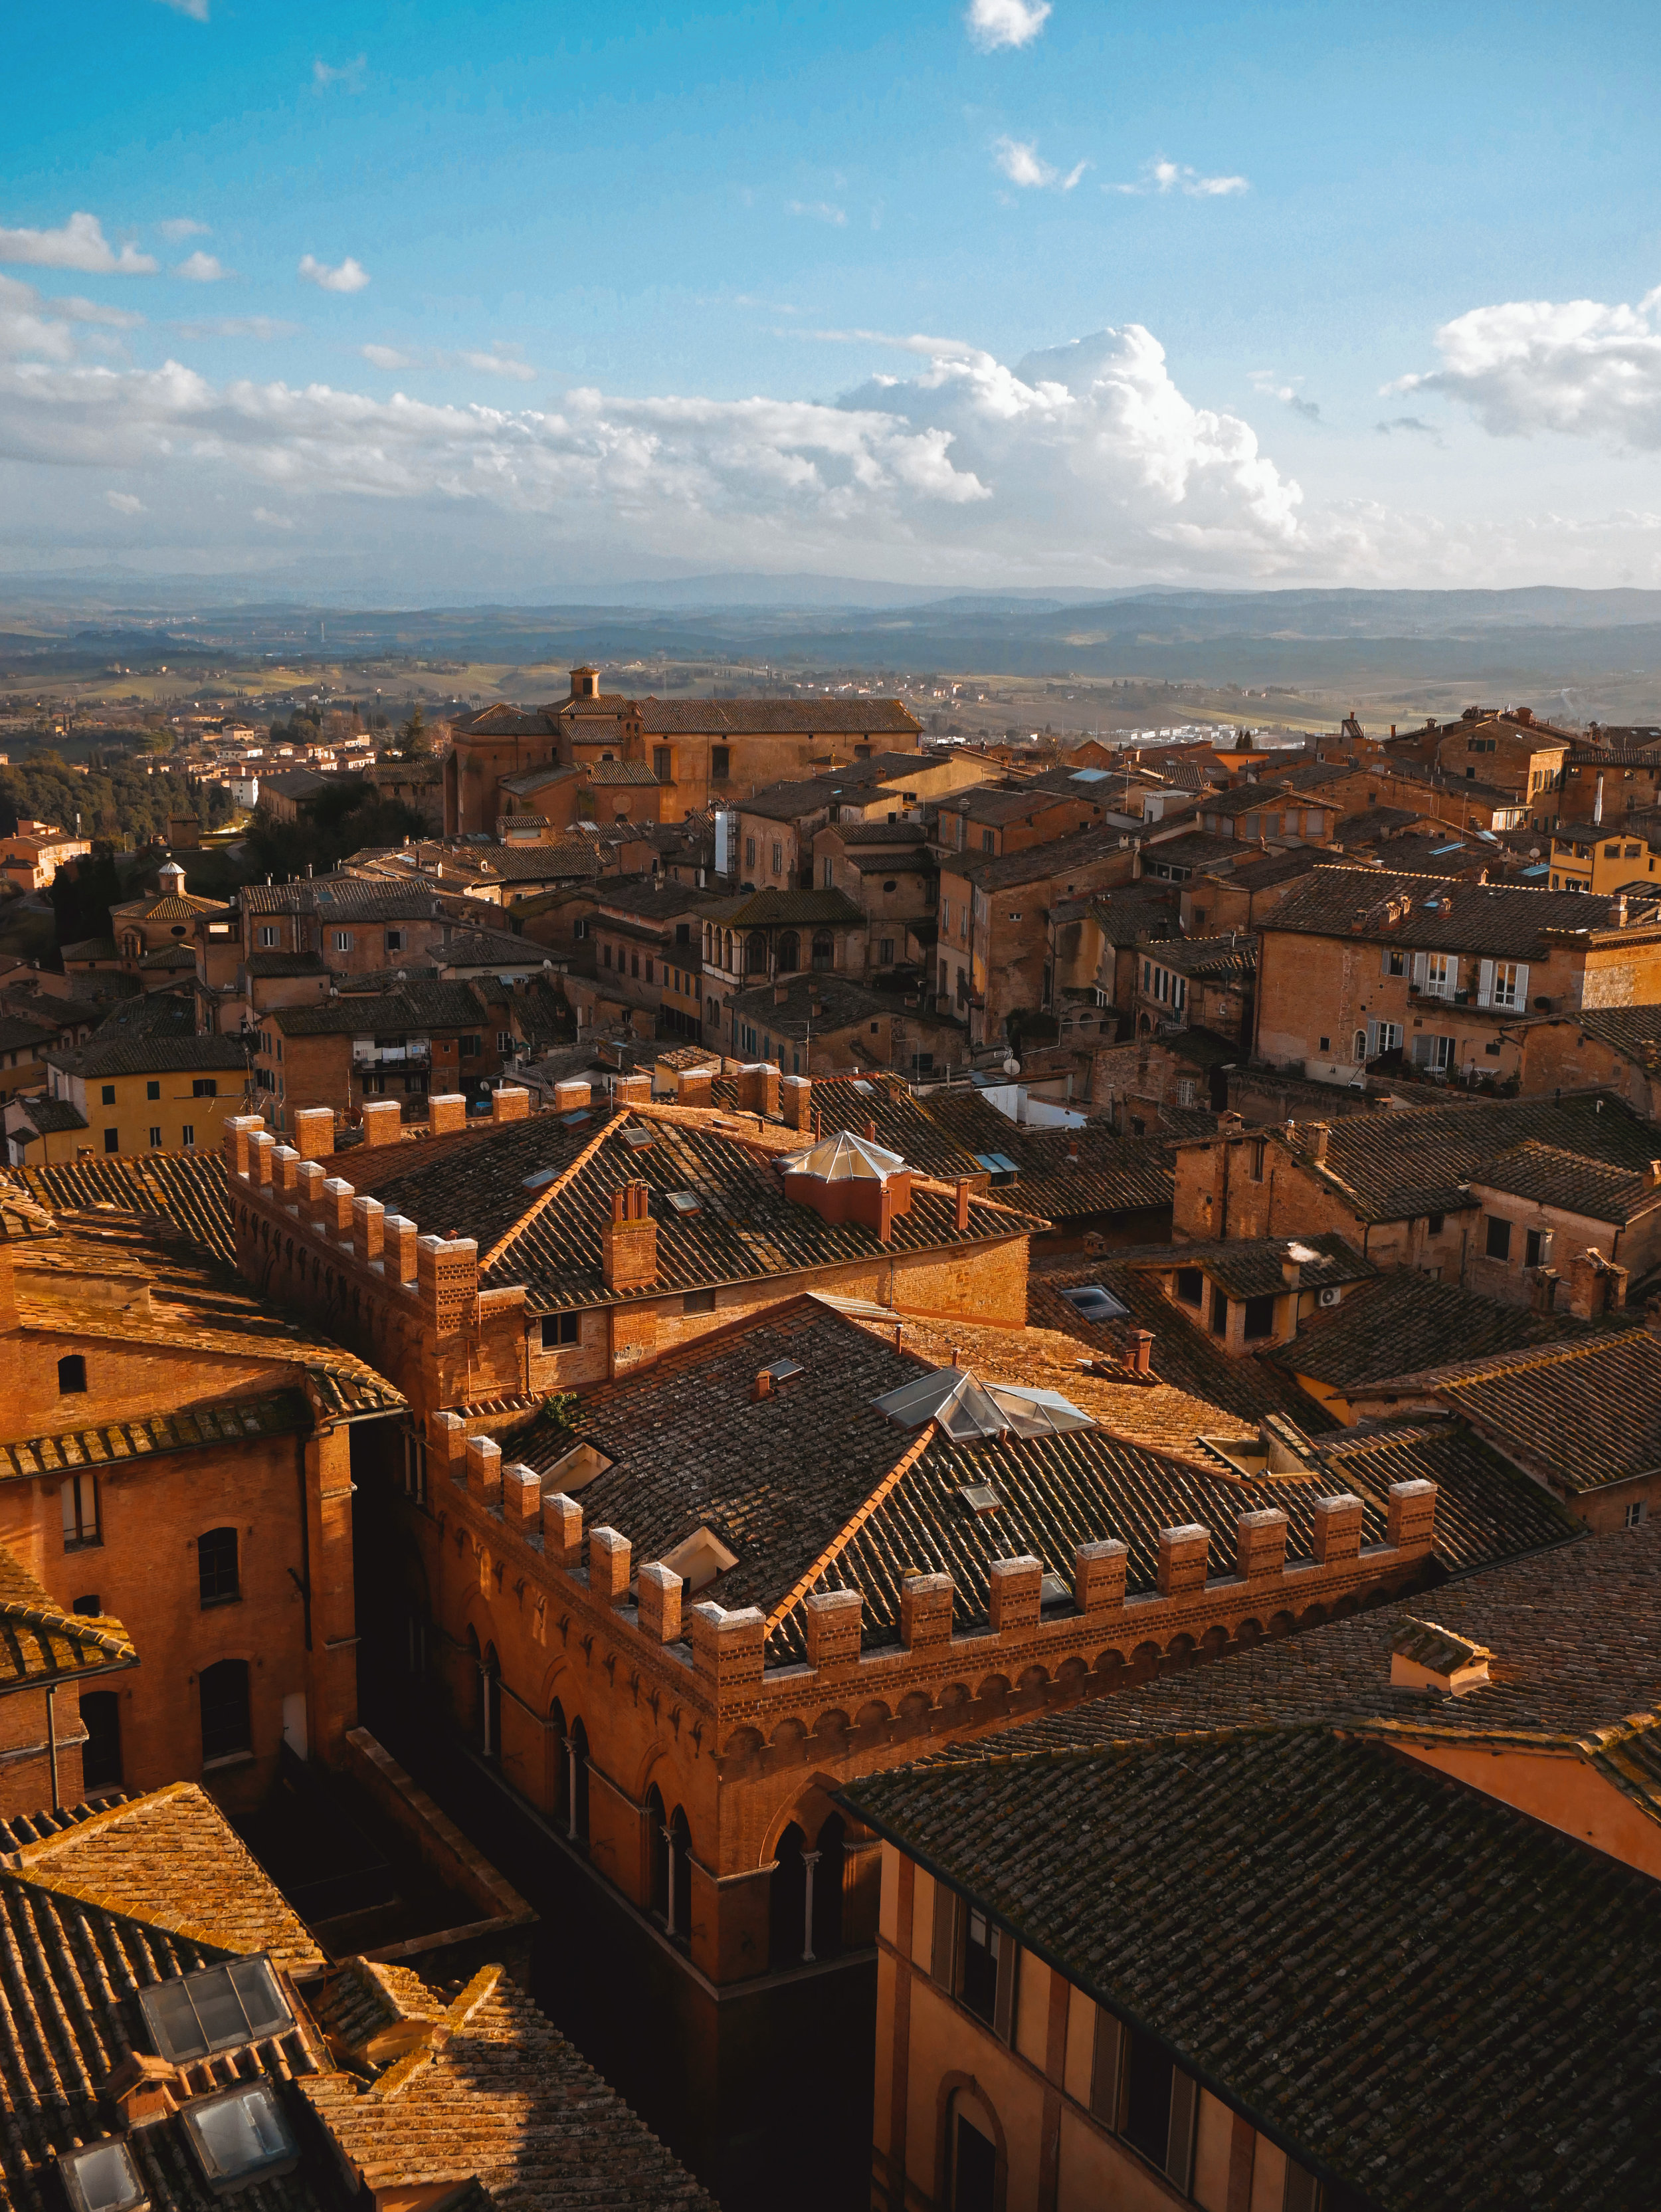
(1141,1341)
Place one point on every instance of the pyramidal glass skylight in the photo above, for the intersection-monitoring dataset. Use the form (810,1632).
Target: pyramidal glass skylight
(844,1158)
(964,1407)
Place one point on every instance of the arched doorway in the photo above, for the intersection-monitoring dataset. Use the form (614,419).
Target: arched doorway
(973,2157)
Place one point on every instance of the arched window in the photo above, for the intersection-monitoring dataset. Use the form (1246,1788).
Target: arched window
(726,960)
(789,953)
(577,1784)
(226,1726)
(71,1374)
(100,1754)
(680,1875)
(824,1930)
(824,952)
(216,1567)
(787,1901)
(657,1850)
(974,2158)
(755,953)
(1360,1053)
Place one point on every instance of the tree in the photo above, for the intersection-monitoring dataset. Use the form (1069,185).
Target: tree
(415,738)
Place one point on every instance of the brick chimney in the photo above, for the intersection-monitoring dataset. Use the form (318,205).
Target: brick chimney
(628,1241)
(445,1114)
(1316,1136)
(1141,1341)
(1098,1575)
(1183,1554)
(758,1088)
(660,1590)
(834,1621)
(925,1611)
(383,1122)
(796,1097)
(693,1086)
(511,1102)
(314,1131)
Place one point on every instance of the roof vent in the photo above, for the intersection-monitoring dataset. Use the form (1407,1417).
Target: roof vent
(639,1139)
(981,1498)
(240,2136)
(1425,1656)
(101,2177)
(216,2008)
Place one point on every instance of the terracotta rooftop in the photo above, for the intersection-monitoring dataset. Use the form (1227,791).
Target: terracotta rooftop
(1111,1175)
(186,1191)
(1255,1267)
(1036,864)
(40,1644)
(1595,1190)
(1352,1948)
(1499,920)
(150,1055)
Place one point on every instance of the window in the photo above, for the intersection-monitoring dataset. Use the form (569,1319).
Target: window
(1219,1311)
(204,1086)
(155,1137)
(470,1048)
(824,952)
(749,852)
(71,1374)
(153,1090)
(218,2008)
(109,1094)
(1259,1316)
(1434,1052)
(1395,964)
(1190,1286)
(395,940)
(342,941)
(1158,2105)
(558,1329)
(1441,975)
(721,762)
(100,1754)
(1510,981)
(415,1469)
(187,1135)
(988,842)
(661,764)
(1497,1240)
(1536,1247)
(216,1566)
(605,955)
(974,2161)
(1258,1152)
(777,858)
(1436,1224)
(698,1302)
(1634,1515)
(113,1140)
(885,952)
(226,1729)
(79,1499)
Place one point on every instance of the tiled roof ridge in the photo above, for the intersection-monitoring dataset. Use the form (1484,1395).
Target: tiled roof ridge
(313,1354)
(28,1855)
(552,1190)
(1487,1364)
(856,1520)
(1110,1749)
(51,1619)
(436,2034)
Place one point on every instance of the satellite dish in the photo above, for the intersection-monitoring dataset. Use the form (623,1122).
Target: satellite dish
(1012,1067)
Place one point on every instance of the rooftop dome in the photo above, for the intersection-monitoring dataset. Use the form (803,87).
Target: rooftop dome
(844,1157)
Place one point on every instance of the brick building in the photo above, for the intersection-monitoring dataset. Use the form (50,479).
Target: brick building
(171,1450)
(699,751)
(1357,963)
(1066,2021)
(376,1037)
(766,937)
(993,957)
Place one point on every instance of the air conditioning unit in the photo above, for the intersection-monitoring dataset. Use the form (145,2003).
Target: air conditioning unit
(1330,1295)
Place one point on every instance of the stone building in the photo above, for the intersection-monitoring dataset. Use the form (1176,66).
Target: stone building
(994,955)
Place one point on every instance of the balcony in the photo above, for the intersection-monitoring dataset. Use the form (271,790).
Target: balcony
(418,1054)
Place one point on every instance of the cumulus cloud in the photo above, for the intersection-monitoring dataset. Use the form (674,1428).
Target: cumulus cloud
(500,362)
(995,23)
(201,268)
(1263,382)
(1162,177)
(385,356)
(1089,453)
(80,244)
(195,9)
(263,327)
(1576,366)
(1019,161)
(820,212)
(28,329)
(75,310)
(124,502)
(350,276)
(179,228)
(347,74)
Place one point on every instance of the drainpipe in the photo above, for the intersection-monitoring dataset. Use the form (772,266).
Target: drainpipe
(52,1751)
(810,1860)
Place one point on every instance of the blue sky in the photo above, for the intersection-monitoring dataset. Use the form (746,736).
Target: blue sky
(496,296)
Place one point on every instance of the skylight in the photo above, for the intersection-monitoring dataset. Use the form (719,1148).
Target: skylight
(682,1201)
(101,2177)
(240,2136)
(999,1166)
(216,2008)
(639,1139)
(536,1182)
(966,1407)
(1096,1304)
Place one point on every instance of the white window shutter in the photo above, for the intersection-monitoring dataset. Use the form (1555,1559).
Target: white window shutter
(1522,984)
(1485,984)
(1419,961)
(1373,1040)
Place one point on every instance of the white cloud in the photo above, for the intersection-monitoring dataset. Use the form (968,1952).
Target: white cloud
(348,74)
(350,276)
(1263,382)
(28,330)
(201,268)
(1576,366)
(80,244)
(195,9)
(498,362)
(382,357)
(1019,161)
(1162,177)
(263,327)
(994,23)
(74,310)
(179,228)
(820,210)
(1087,457)
(124,502)
(274,521)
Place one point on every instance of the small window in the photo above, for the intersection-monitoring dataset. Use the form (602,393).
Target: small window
(988,842)
(749,852)
(1536,1247)
(885,952)
(100,1754)
(109,1094)
(227,1731)
(395,940)
(342,941)
(71,1374)
(1259,1151)
(79,1498)
(698,1302)
(1436,1224)
(1634,1514)
(558,1329)
(221,2007)
(268,938)
(660,762)
(1219,1311)
(155,1136)
(470,1048)
(983,1945)
(204,1086)
(1497,1238)
(1259,1316)
(153,1090)
(721,762)
(216,1566)
(187,1135)
(113,1140)
(1190,1286)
